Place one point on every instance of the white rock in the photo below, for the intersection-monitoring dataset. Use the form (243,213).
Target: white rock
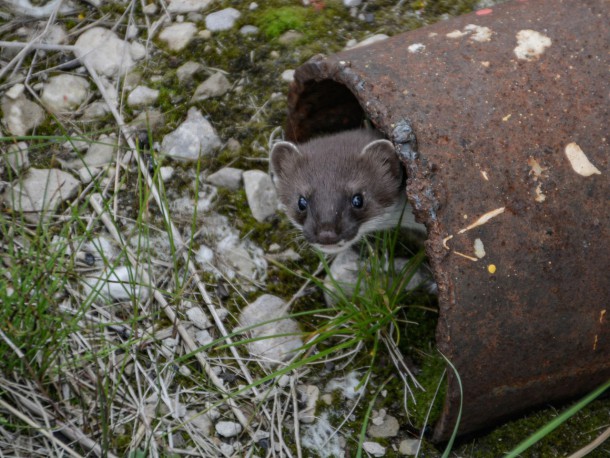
(98,252)
(184,370)
(228,428)
(20,114)
(206,197)
(201,421)
(104,51)
(227,449)
(198,318)
(242,257)
(408,447)
(187,6)
(55,35)
(15,91)
(148,120)
(374,448)
(253,6)
(177,36)
(64,92)
(95,110)
(344,272)
(137,50)
(287,76)
(150,9)
(203,337)
(261,194)
(370,40)
(271,311)
(227,177)
(40,192)
(17,156)
(120,283)
(215,86)
(195,137)
(388,428)
(87,174)
(310,395)
(166,173)
(248,30)
(141,96)
(352,3)
(222,20)
(188,70)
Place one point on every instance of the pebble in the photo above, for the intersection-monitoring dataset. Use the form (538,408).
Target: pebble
(188,70)
(408,447)
(310,395)
(233,145)
(64,93)
(352,3)
(203,337)
(120,283)
(228,428)
(95,110)
(227,177)
(389,428)
(287,76)
(248,30)
(215,86)
(198,318)
(199,420)
(104,51)
(370,40)
(178,36)
(17,156)
(39,192)
(289,37)
(166,173)
(102,152)
(241,256)
(194,138)
(150,9)
(20,114)
(260,193)
(344,272)
(148,120)
(222,20)
(137,50)
(270,310)
(142,96)
(187,6)
(374,448)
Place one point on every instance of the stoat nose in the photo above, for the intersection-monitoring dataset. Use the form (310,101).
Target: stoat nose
(327,237)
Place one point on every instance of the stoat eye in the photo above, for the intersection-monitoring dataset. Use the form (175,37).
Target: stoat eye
(357,201)
(302,203)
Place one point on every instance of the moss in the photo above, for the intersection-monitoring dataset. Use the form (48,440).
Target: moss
(275,21)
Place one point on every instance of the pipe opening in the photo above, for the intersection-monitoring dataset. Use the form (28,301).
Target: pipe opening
(322,107)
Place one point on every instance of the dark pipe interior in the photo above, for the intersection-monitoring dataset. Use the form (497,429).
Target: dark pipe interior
(323,107)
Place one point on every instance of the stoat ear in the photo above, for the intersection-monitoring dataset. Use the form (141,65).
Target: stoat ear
(381,150)
(281,156)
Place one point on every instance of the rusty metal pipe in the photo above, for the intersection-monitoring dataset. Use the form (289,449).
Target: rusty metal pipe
(500,114)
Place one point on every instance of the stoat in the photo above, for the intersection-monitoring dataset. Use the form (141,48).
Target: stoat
(338,187)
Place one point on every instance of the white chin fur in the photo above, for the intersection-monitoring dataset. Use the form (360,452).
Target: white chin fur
(336,247)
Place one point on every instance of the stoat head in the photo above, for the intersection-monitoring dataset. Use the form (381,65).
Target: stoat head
(338,187)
